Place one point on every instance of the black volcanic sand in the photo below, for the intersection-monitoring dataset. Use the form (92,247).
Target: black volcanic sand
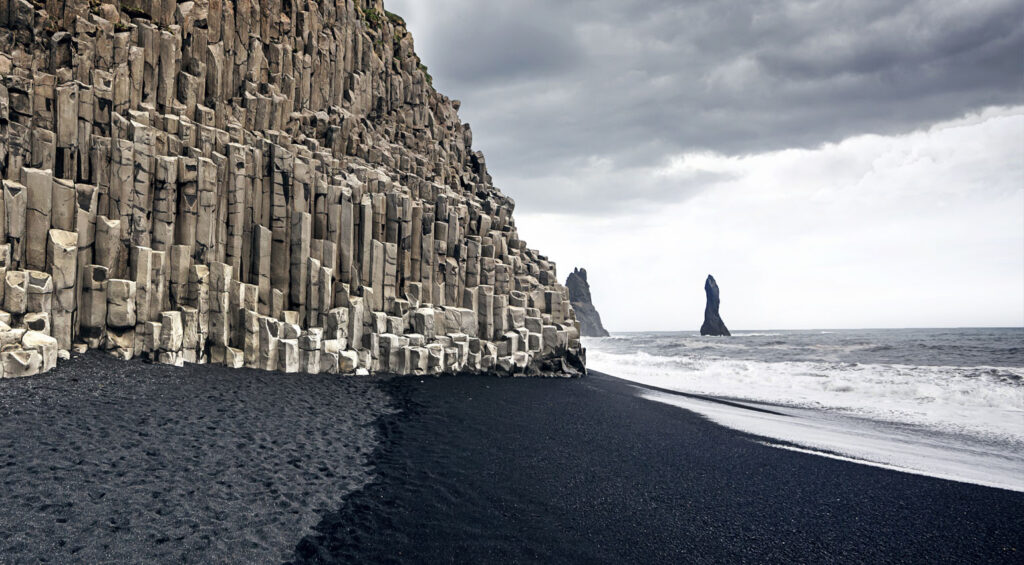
(484,470)
(104,461)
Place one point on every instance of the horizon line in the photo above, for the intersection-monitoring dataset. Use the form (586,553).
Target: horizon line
(831,329)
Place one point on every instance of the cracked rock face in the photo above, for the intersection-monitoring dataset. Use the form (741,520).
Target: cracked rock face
(273,185)
(586,313)
(713,324)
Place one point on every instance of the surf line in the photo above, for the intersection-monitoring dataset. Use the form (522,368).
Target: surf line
(887,466)
(706,398)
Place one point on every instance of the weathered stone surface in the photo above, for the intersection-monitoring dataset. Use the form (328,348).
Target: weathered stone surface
(45,345)
(176,358)
(108,243)
(121,342)
(172,331)
(268,352)
(348,362)
(148,333)
(15,291)
(38,322)
(15,202)
(11,336)
(39,192)
(713,324)
(121,303)
(329,363)
(423,320)
(93,308)
(234,358)
(288,355)
(64,265)
(20,363)
(39,295)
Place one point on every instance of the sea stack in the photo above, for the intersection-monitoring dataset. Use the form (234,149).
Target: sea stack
(579,297)
(267,184)
(713,324)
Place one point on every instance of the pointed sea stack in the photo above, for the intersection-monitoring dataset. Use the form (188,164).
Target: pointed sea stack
(713,324)
(579,297)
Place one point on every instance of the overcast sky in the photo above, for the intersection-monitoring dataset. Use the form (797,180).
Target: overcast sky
(833,164)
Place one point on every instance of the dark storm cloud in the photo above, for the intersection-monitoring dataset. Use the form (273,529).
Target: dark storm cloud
(552,86)
(517,47)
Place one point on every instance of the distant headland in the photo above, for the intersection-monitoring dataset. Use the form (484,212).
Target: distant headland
(586,313)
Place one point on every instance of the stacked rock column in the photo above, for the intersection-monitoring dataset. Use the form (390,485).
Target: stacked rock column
(188,182)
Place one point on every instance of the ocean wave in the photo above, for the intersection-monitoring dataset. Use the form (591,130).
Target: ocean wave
(980,401)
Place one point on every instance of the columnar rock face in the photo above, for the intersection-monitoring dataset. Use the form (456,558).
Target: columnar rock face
(579,297)
(713,324)
(268,184)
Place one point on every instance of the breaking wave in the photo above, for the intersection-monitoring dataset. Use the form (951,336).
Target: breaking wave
(983,402)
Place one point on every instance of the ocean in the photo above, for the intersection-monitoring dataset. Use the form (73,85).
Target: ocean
(940,402)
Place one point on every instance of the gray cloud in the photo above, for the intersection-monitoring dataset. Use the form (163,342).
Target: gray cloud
(595,189)
(551,86)
(518,47)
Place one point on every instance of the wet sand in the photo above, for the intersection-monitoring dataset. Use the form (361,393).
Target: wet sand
(478,470)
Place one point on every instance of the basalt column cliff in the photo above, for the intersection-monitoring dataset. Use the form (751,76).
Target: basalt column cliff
(271,184)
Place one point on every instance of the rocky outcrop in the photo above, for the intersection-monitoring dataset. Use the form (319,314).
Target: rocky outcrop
(271,184)
(713,324)
(582,304)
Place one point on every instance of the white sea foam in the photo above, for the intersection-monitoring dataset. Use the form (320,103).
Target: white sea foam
(878,397)
(986,403)
(858,440)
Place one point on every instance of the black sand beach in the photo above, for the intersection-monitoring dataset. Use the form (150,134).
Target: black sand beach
(129,462)
(481,470)
(104,461)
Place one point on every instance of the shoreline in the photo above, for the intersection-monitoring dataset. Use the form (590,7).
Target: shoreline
(587,471)
(890,445)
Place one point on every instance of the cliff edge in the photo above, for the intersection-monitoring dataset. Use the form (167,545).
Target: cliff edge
(582,304)
(263,183)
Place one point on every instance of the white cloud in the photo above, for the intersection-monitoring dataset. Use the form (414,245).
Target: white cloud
(922,229)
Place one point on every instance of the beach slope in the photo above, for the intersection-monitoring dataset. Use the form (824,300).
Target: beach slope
(587,471)
(116,462)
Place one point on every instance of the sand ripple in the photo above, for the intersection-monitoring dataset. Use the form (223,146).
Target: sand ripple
(106,461)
